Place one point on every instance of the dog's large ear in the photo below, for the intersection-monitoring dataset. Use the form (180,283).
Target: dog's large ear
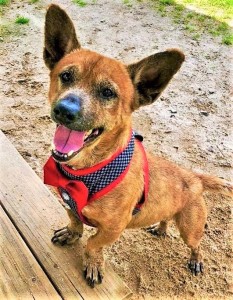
(151,75)
(60,36)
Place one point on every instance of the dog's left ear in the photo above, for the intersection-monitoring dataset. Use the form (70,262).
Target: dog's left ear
(60,36)
(151,75)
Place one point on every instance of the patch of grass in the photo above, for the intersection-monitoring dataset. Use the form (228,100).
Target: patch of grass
(190,28)
(8,29)
(196,36)
(201,18)
(80,3)
(4,2)
(227,39)
(128,3)
(221,10)
(167,2)
(3,5)
(207,16)
(22,20)
(161,8)
(190,15)
(179,7)
(4,31)
(34,1)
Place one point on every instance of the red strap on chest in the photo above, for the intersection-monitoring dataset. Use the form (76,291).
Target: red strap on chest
(146,178)
(79,192)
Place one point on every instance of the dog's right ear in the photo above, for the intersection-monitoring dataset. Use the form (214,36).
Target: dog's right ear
(60,36)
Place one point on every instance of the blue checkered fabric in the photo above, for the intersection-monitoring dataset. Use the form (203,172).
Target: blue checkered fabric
(101,178)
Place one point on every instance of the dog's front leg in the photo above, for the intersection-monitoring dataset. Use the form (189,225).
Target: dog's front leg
(69,234)
(93,257)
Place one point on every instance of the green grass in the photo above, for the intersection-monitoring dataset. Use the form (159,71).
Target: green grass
(34,1)
(221,10)
(8,29)
(128,3)
(80,3)
(228,39)
(167,2)
(22,20)
(4,2)
(200,16)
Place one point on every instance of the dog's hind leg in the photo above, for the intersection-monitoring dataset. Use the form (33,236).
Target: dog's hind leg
(159,229)
(70,233)
(191,223)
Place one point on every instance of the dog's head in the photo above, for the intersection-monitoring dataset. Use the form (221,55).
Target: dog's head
(92,96)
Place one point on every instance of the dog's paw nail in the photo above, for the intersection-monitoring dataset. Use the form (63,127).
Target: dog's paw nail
(100,278)
(54,239)
(85,273)
(93,275)
(195,267)
(201,267)
(91,282)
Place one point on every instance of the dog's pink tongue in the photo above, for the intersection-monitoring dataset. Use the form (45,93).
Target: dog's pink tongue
(66,139)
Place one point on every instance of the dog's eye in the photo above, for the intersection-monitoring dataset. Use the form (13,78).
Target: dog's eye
(107,93)
(66,77)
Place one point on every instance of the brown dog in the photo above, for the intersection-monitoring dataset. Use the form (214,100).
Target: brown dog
(92,98)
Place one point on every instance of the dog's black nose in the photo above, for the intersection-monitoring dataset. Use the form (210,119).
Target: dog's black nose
(67,110)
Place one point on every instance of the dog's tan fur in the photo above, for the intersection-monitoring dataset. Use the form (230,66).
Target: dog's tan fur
(173,191)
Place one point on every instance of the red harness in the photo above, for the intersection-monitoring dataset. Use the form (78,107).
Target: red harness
(77,194)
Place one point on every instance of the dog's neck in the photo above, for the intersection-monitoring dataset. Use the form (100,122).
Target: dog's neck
(103,151)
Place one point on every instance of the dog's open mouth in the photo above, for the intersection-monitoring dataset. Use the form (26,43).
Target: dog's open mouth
(67,142)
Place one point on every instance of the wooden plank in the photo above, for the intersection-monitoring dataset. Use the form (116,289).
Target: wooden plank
(36,214)
(21,277)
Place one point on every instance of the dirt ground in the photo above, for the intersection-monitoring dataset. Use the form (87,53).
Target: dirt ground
(191,124)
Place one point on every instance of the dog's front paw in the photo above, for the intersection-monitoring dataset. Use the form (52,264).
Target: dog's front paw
(195,267)
(65,236)
(93,271)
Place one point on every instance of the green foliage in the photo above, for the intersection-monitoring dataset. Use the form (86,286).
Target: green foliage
(33,1)
(80,3)
(22,20)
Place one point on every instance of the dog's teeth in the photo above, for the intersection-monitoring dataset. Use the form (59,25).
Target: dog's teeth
(96,132)
(52,147)
(88,133)
(71,152)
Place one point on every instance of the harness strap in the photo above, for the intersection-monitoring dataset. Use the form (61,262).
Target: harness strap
(146,178)
(74,185)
